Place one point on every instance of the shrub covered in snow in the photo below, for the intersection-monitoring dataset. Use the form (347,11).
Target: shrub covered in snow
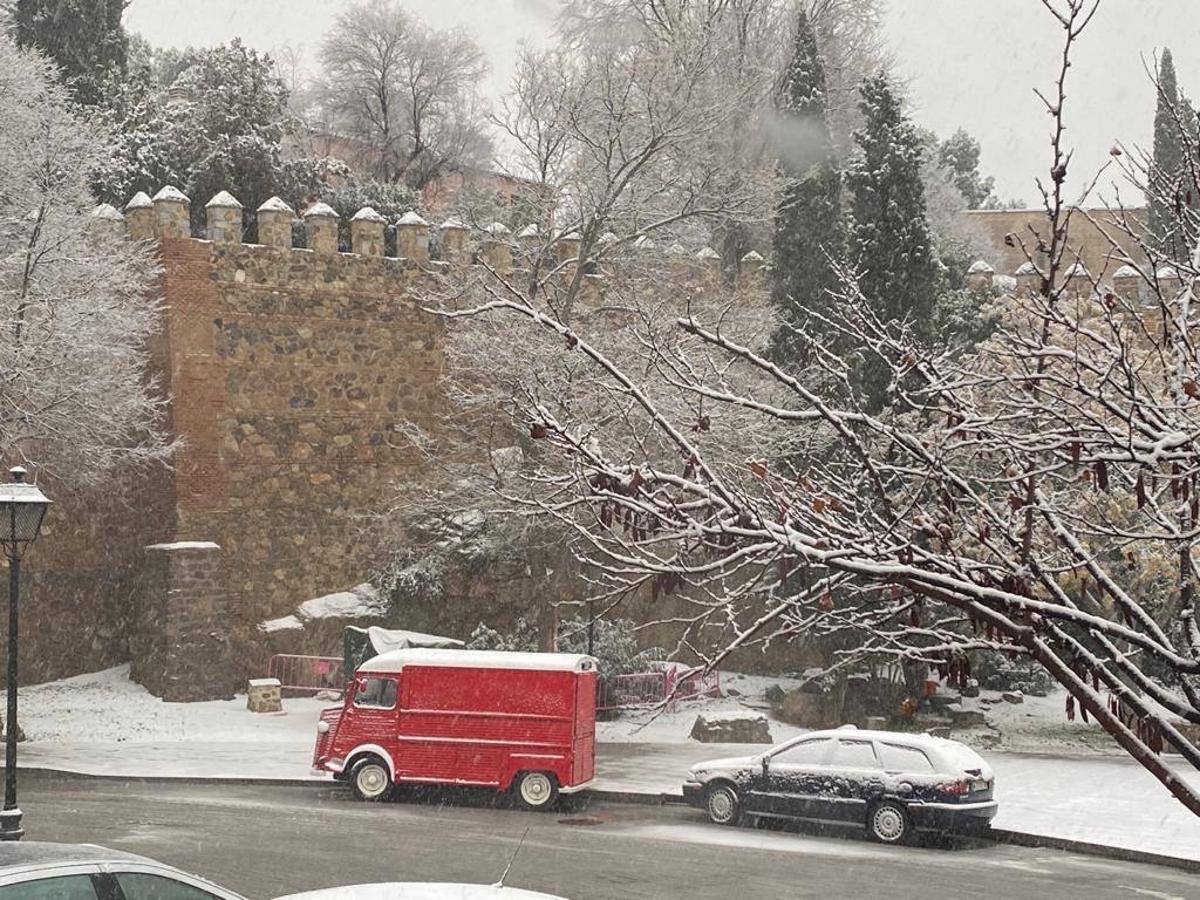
(614,642)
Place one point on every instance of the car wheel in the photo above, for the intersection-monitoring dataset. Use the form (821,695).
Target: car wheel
(722,805)
(536,790)
(370,779)
(888,823)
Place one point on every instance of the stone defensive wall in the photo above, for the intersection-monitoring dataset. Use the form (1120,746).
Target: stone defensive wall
(292,374)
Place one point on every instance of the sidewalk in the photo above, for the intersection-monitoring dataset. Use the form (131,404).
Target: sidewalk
(1106,801)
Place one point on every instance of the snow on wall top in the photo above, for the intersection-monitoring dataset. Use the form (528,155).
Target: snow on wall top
(223,200)
(185,545)
(284,623)
(140,200)
(1027,268)
(452,225)
(980,267)
(753,256)
(529,231)
(322,210)
(479,659)
(275,204)
(708,253)
(1166,272)
(107,211)
(412,218)
(1126,271)
(171,194)
(496,229)
(367,214)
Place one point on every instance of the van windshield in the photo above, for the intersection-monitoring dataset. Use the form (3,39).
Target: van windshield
(379,693)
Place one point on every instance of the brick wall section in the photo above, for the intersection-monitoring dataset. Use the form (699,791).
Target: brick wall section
(1083,237)
(290,372)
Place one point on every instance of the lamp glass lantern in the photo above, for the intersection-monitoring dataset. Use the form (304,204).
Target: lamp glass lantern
(22,508)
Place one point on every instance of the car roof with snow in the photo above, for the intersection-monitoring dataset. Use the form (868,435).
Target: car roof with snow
(396,660)
(37,853)
(952,753)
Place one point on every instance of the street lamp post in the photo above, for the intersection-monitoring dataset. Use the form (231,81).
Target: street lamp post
(22,507)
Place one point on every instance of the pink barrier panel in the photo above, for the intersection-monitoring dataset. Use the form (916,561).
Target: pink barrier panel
(307,673)
(646,689)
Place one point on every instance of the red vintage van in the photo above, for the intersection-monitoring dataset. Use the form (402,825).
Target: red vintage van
(524,722)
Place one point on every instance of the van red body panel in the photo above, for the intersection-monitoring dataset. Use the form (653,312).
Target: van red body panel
(473,724)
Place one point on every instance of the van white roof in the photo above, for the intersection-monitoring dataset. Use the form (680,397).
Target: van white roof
(396,660)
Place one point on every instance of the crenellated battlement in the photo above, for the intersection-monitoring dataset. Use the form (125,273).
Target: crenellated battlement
(435,249)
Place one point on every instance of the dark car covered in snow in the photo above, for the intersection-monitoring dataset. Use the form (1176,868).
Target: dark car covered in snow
(889,783)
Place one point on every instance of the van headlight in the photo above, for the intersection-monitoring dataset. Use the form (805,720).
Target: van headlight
(322,728)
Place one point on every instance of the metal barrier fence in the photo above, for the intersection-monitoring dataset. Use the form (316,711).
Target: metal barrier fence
(642,690)
(307,673)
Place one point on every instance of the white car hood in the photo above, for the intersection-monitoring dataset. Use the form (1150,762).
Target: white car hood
(727,763)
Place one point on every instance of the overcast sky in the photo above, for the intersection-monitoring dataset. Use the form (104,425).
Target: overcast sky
(968,63)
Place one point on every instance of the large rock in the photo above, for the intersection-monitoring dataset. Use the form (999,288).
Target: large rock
(966,718)
(718,729)
(971,689)
(1012,697)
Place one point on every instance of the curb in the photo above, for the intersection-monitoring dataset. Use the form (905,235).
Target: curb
(1119,854)
(644,798)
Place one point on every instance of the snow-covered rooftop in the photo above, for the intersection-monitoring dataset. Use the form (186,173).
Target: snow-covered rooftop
(412,218)
(223,200)
(107,211)
(140,200)
(275,204)
(320,210)
(171,194)
(367,214)
(479,659)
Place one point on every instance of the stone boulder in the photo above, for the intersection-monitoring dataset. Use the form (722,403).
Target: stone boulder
(731,729)
(971,689)
(1012,697)
(965,718)
(264,695)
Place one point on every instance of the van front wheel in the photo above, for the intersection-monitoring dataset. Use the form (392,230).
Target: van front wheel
(536,790)
(370,779)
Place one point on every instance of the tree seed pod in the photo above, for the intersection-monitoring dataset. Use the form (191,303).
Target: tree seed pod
(759,468)
(1102,475)
(1141,490)
(818,505)
(1076,451)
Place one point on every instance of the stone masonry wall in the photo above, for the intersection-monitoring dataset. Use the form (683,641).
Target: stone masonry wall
(291,372)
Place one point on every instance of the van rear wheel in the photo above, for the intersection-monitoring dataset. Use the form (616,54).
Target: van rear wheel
(536,790)
(370,779)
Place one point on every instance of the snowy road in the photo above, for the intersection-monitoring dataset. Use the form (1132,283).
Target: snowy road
(265,841)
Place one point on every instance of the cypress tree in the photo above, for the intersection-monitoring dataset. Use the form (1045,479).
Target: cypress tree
(890,240)
(84,38)
(808,213)
(1167,164)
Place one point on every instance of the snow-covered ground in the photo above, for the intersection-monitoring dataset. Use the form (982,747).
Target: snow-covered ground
(104,724)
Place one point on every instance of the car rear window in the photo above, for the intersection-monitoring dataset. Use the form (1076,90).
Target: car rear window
(961,758)
(904,759)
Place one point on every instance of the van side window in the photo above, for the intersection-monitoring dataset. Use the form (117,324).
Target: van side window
(379,693)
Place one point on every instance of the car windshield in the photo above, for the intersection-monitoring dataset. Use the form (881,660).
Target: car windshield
(603,448)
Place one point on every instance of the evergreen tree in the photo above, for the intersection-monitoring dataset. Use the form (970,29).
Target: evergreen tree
(808,215)
(890,239)
(84,38)
(958,155)
(1170,120)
